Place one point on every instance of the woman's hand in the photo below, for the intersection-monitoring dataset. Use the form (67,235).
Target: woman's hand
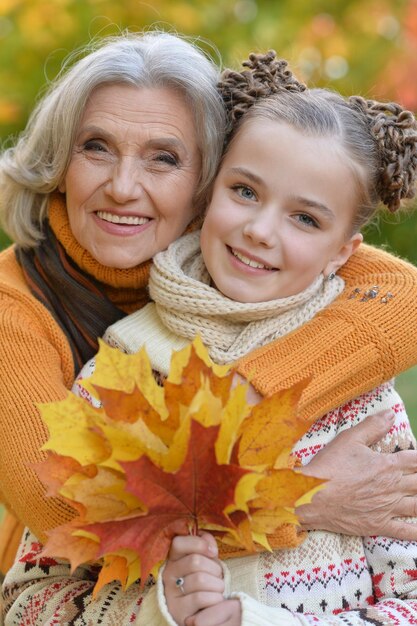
(366,490)
(192,577)
(226,613)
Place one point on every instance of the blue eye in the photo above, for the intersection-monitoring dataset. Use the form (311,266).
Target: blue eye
(307,220)
(245,192)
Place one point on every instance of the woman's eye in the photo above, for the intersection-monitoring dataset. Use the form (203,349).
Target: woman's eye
(92,145)
(245,192)
(307,220)
(166,157)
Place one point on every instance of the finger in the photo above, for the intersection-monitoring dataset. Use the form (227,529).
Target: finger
(192,603)
(406,507)
(406,486)
(191,564)
(211,544)
(182,545)
(201,581)
(199,563)
(406,462)
(405,531)
(222,614)
(372,429)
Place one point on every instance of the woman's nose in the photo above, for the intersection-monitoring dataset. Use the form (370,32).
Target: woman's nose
(125,180)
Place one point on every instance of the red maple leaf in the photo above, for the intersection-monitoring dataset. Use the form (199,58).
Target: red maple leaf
(194,497)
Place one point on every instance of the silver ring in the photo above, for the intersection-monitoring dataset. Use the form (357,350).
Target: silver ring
(180,584)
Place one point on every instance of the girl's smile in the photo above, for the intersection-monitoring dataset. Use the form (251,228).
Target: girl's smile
(281,213)
(250,262)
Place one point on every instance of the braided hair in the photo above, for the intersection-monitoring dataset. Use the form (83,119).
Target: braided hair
(266,75)
(379,140)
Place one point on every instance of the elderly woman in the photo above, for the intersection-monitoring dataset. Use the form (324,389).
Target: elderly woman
(115,163)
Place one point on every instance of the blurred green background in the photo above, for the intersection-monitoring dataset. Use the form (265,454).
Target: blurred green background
(355,46)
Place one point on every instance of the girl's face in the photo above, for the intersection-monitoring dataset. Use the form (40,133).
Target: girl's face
(280,213)
(133,174)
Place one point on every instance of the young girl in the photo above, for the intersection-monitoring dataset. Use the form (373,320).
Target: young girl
(302,173)
(272,242)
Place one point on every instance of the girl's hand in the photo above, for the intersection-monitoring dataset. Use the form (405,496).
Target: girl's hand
(226,613)
(252,396)
(192,577)
(366,490)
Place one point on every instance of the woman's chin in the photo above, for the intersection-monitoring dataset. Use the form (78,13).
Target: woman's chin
(115,260)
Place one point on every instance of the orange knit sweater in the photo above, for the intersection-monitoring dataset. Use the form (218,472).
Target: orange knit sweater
(350,347)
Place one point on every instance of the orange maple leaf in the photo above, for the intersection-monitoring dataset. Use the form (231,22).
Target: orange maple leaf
(194,371)
(153,462)
(194,497)
(272,429)
(56,469)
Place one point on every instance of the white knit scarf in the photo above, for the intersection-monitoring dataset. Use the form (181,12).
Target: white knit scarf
(189,306)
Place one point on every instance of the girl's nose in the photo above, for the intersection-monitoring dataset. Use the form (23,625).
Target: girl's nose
(125,181)
(261,231)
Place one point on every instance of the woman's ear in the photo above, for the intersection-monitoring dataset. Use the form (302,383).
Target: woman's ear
(345,252)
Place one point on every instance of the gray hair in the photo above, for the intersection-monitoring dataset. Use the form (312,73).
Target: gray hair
(32,169)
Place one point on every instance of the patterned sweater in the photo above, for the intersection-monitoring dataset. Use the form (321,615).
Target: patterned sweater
(329,580)
(350,347)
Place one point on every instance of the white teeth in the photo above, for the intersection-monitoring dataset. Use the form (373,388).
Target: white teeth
(248,261)
(130,220)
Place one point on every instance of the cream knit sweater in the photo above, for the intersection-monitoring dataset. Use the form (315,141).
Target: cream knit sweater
(329,579)
(186,305)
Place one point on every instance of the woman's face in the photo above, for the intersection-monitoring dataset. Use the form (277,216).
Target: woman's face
(133,173)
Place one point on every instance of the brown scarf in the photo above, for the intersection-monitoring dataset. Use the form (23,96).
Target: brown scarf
(83,296)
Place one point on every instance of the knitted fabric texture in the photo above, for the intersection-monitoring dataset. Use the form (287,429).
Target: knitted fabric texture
(327,581)
(144,328)
(124,287)
(189,306)
(350,347)
(75,300)
(36,366)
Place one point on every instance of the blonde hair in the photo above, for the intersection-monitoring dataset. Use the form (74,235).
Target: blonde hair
(32,169)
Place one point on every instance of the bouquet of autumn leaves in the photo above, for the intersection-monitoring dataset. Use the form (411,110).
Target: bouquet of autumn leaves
(157,461)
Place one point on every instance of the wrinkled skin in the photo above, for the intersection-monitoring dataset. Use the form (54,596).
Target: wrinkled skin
(366,490)
(377,487)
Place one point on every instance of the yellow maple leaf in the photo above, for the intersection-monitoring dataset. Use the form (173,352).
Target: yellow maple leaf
(119,465)
(235,411)
(71,423)
(102,497)
(273,427)
(124,374)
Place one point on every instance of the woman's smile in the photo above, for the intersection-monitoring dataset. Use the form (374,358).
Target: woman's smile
(133,174)
(121,225)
